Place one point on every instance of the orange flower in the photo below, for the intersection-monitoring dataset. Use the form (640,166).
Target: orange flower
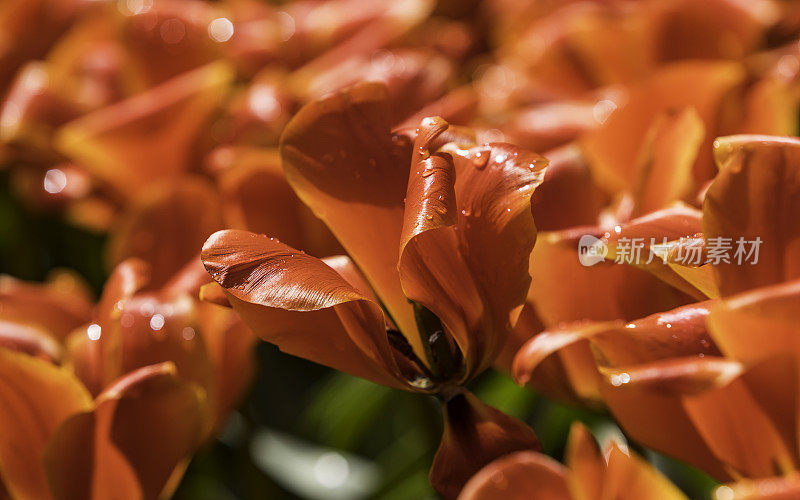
(443,249)
(151,366)
(665,375)
(652,151)
(590,474)
(57,442)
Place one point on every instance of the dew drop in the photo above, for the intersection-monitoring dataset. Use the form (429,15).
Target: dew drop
(93,331)
(481,159)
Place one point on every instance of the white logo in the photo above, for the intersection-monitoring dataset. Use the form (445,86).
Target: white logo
(591,250)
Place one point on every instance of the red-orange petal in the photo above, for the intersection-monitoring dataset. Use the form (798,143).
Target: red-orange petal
(166,226)
(256,197)
(586,463)
(474,435)
(301,304)
(629,477)
(340,157)
(738,323)
(148,423)
(117,143)
(646,401)
(613,149)
(57,306)
(519,476)
(755,196)
(36,398)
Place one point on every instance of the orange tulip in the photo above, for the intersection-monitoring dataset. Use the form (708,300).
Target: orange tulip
(134,324)
(443,250)
(59,442)
(589,474)
(706,372)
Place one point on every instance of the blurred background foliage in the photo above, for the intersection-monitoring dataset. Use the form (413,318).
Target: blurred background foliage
(306,431)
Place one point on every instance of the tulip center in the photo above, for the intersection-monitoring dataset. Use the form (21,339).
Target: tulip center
(444,358)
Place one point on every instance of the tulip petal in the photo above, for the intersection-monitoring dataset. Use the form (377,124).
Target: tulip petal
(230,346)
(147,410)
(646,401)
(755,195)
(563,290)
(474,435)
(519,476)
(166,226)
(739,430)
(675,333)
(257,197)
(169,38)
(59,306)
(586,463)
(614,149)
(632,478)
(301,304)
(466,257)
(658,233)
(340,157)
(36,398)
(94,351)
(568,196)
(738,323)
(29,340)
(80,464)
(772,488)
(666,159)
(149,136)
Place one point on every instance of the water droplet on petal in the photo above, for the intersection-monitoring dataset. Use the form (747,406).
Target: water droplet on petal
(481,159)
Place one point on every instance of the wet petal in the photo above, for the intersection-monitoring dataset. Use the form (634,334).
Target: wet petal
(474,435)
(661,236)
(755,195)
(300,304)
(676,333)
(563,290)
(646,401)
(36,397)
(339,156)
(467,241)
